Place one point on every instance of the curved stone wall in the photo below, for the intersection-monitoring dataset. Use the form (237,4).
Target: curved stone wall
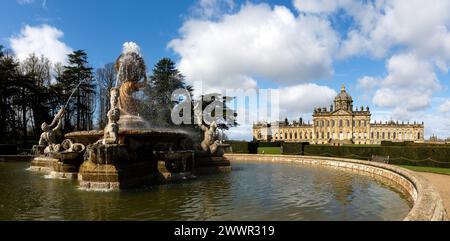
(428,205)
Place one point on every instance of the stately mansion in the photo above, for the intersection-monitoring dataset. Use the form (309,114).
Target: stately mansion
(340,124)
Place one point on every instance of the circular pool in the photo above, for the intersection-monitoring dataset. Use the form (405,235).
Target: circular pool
(252,191)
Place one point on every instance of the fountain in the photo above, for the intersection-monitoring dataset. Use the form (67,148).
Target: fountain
(128,153)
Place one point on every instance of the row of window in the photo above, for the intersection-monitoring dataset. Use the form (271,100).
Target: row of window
(340,123)
(328,135)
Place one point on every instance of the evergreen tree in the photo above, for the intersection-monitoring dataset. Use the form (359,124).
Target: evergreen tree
(164,81)
(78,76)
(8,76)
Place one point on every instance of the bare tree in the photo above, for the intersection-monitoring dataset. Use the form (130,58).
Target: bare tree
(105,76)
(37,68)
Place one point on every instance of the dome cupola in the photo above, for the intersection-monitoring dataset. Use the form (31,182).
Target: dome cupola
(343,100)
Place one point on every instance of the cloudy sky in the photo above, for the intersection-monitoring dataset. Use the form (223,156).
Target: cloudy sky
(393,55)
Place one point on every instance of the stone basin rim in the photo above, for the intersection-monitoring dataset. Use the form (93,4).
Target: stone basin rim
(143,132)
(427,202)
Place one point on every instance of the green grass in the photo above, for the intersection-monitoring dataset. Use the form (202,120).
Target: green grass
(437,170)
(270,150)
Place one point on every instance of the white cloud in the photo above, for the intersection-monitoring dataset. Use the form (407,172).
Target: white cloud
(316,6)
(257,41)
(408,87)
(445,107)
(300,100)
(41,40)
(368,83)
(421,26)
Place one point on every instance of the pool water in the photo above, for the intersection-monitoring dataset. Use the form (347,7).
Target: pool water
(252,191)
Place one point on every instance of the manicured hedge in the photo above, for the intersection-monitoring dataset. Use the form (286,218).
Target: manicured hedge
(290,148)
(437,156)
(402,154)
(239,147)
(253,147)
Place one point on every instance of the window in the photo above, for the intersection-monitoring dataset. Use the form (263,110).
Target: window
(395,135)
(372,135)
(389,135)
(328,135)
(332,123)
(301,135)
(354,123)
(341,123)
(418,136)
(384,136)
(285,135)
(348,123)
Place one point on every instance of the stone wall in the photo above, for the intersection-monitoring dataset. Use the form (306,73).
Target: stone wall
(428,205)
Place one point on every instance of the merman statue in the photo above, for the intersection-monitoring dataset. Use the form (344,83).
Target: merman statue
(210,141)
(49,137)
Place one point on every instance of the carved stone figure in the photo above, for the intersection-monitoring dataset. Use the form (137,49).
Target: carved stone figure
(111,132)
(210,141)
(48,140)
(130,67)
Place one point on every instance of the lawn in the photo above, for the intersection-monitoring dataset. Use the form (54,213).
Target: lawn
(437,170)
(270,150)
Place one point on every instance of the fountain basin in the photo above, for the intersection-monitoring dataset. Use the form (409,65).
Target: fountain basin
(428,205)
(255,190)
(155,135)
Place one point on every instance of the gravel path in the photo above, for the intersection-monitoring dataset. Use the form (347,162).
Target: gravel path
(442,183)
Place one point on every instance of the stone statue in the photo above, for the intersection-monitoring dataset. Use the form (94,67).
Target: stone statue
(48,139)
(111,132)
(110,138)
(210,141)
(131,69)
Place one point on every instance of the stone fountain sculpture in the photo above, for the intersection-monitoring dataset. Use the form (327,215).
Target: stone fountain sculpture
(132,77)
(211,143)
(48,141)
(111,132)
(51,157)
(127,153)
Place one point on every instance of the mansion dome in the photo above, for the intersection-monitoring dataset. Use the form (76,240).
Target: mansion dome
(343,101)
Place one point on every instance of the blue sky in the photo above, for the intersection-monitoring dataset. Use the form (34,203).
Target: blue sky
(392,61)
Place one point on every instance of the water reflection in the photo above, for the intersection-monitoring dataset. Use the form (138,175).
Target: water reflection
(253,191)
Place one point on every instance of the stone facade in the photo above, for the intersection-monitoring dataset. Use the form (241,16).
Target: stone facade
(338,125)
